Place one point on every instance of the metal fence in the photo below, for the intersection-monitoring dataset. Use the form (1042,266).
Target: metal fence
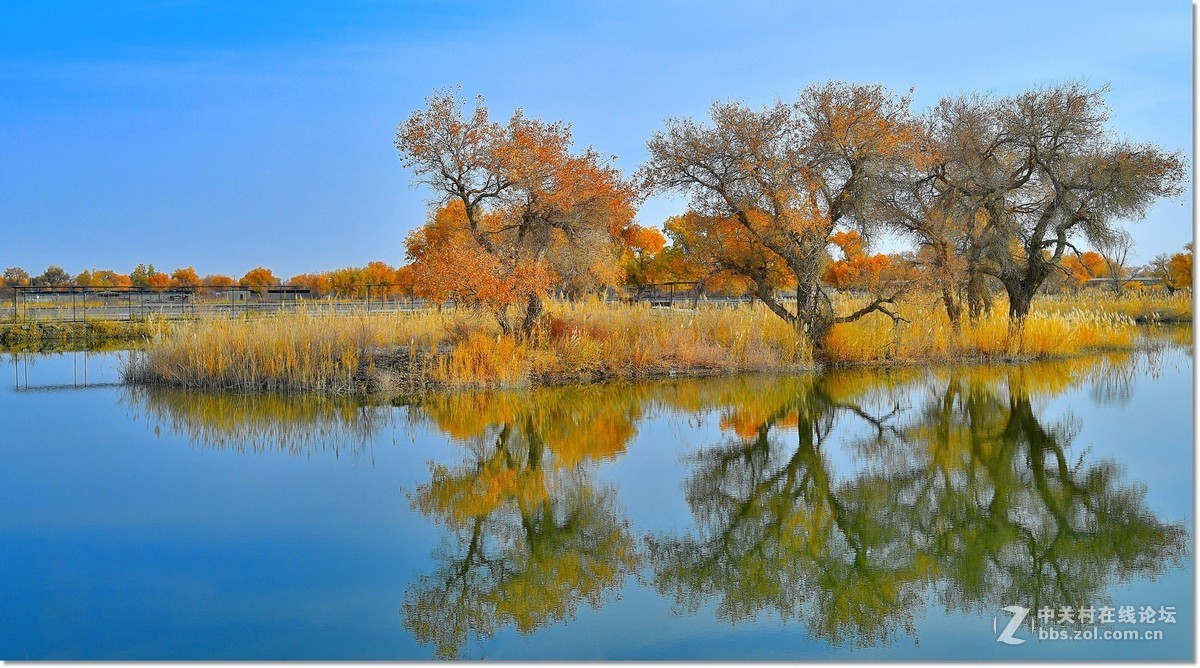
(77,304)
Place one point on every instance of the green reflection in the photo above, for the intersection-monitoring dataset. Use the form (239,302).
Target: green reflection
(847,501)
(960,490)
(531,535)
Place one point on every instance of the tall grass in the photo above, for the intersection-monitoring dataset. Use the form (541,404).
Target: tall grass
(595,339)
(930,338)
(301,350)
(318,350)
(1140,304)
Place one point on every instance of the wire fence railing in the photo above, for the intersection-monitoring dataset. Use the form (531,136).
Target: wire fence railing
(80,304)
(76,303)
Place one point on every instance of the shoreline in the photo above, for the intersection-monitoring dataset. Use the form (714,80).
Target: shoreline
(100,333)
(314,352)
(382,373)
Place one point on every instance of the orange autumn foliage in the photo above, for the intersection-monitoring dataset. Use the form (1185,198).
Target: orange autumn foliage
(449,265)
(258,277)
(158,281)
(856,270)
(519,211)
(185,277)
(726,254)
(1086,266)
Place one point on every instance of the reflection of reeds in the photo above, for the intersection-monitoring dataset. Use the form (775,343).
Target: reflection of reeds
(295,424)
(313,350)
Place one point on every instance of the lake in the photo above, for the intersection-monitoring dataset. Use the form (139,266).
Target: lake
(864,515)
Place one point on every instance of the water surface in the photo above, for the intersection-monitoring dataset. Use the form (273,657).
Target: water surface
(856,515)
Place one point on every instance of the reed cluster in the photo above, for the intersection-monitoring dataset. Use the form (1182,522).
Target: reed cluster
(930,338)
(318,350)
(302,350)
(1144,305)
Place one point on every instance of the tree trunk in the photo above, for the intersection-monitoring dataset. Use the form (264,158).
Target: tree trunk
(813,319)
(506,327)
(533,313)
(1020,298)
(979,298)
(953,308)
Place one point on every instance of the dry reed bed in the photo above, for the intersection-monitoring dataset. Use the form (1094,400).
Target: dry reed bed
(316,350)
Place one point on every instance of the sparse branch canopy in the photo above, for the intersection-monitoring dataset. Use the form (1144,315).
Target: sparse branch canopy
(1041,169)
(768,188)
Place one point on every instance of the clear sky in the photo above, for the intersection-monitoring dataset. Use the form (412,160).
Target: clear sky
(228,134)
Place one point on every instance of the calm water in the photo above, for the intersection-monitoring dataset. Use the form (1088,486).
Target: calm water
(859,515)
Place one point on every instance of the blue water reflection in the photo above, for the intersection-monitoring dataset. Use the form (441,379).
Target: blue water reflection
(857,515)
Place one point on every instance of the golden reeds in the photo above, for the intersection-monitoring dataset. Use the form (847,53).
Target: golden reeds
(319,350)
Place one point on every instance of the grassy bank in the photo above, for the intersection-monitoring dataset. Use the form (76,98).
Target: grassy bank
(337,353)
(54,335)
(317,351)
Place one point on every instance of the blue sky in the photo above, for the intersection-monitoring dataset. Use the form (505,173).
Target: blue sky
(230,134)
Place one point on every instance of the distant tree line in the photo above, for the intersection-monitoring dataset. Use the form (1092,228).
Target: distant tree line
(345,282)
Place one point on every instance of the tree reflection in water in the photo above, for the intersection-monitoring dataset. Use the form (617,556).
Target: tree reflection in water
(967,495)
(531,535)
(960,493)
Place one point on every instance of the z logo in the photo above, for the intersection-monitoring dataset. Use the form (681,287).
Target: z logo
(1018,616)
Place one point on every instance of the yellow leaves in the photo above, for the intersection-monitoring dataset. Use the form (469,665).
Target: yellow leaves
(377,280)
(1180,270)
(449,263)
(642,240)
(865,122)
(259,277)
(158,281)
(856,270)
(185,277)
(718,244)
(1086,266)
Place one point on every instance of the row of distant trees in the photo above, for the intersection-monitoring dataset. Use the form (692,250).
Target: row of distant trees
(344,282)
(645,258)
(996,194)
(1172,270)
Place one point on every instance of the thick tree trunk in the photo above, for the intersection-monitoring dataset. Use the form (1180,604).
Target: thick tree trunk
(979,298)
(1021,288)
(1020,299)
(814,318)
(533,313)
(953,308)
